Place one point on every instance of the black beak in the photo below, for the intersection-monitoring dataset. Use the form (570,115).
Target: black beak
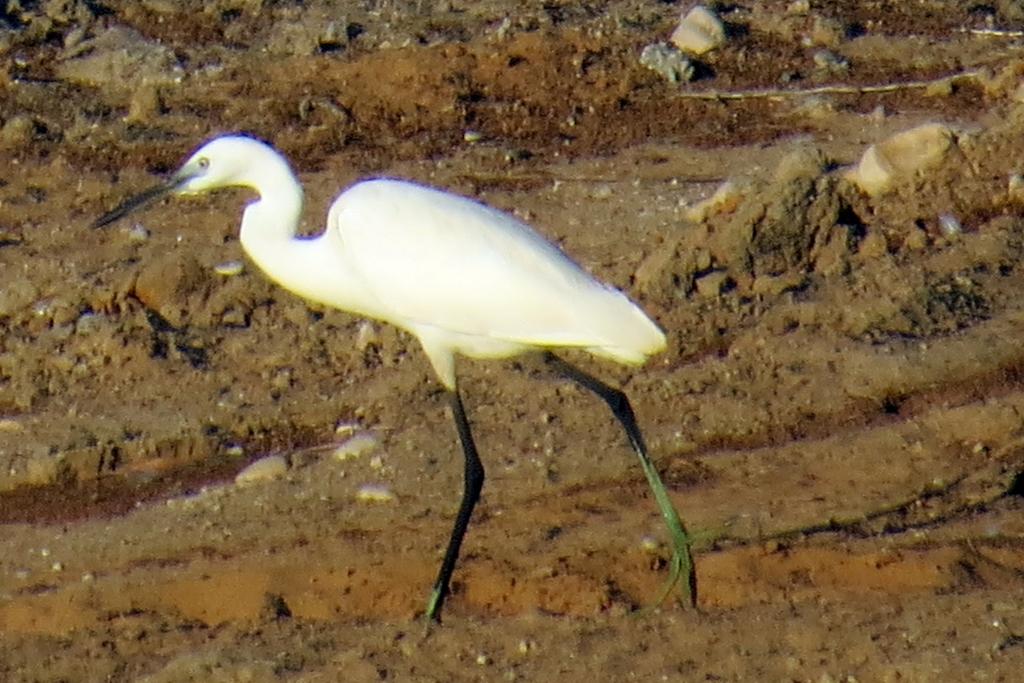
(140,200)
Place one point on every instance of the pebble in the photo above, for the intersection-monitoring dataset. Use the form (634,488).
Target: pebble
(699,31)
(346,428)
(668,62)
(374,493)
(355,446)
(264,469)
(949,226)
(367,336)
(901,156)
(229,268)
(138,233)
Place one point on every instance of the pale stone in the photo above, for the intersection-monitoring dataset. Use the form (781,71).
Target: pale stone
(699,31)
(901,156)
(264,469)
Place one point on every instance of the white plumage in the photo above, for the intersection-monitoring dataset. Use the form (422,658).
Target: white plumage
(460,276)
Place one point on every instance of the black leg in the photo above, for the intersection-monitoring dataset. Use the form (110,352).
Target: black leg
(682,558)
(473,483)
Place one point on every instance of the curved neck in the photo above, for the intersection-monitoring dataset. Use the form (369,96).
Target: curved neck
(269,224)
(311,268)
(274,217)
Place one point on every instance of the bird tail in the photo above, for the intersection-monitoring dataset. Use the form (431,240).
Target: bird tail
(631,336)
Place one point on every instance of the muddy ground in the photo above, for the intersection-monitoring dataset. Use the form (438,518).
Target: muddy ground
(839,415)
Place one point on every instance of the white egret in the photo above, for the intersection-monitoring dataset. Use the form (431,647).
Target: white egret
(461,277)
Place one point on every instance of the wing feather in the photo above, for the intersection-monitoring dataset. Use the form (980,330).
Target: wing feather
(432,258)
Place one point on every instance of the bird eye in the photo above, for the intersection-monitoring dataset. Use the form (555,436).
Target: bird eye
(204,163)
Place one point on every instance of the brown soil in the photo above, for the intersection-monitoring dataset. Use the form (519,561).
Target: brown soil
(840,414)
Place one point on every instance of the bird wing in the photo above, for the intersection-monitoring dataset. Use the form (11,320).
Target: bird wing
(432,258)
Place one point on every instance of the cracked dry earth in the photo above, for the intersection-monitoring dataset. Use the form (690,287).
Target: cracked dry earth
(839,415)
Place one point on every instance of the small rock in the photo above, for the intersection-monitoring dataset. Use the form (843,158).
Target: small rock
(355,446)
(949,226)
(874,175)
(367,336)
(138,233)
(374,493)
(668,62)
(901,156)
(229,268)
(344,427)
(265,469)
(699,31)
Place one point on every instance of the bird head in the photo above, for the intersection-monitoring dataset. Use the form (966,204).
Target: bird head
(228,161)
